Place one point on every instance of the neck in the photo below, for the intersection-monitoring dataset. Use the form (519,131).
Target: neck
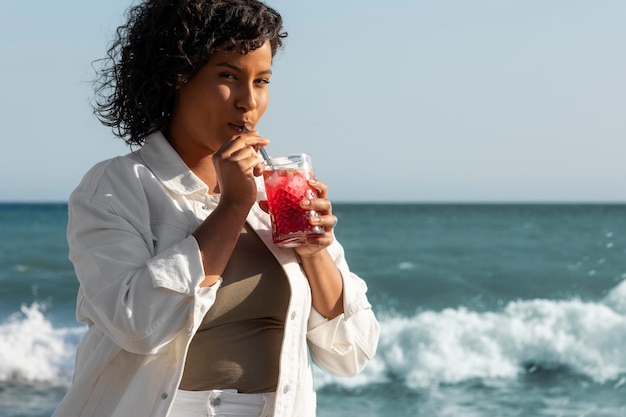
(204,169)
(199,161)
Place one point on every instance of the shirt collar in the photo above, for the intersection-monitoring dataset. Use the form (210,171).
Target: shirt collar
(168,167)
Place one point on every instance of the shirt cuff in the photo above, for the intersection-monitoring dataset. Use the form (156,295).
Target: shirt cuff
(179,268)
(316,319)
(332,335)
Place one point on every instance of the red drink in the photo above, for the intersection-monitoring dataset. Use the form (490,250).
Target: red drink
(285,188)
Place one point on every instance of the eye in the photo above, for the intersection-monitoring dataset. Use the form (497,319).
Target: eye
(228,76)
(262,81)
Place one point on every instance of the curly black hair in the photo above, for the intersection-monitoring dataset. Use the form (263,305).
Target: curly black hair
(164,44)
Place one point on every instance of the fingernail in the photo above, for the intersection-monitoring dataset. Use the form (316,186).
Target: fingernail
(305,203)
(313,181)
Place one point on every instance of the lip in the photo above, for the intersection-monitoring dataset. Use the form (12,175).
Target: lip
(240,126)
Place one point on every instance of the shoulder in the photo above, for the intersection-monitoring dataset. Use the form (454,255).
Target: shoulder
(109,176)
(112,195)
(118,183)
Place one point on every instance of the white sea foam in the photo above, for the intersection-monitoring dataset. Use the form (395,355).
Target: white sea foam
(406,265)
(456,345)
(427,349)
(616,299)
(31,349)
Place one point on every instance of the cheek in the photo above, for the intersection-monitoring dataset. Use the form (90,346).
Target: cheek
(210,99)
(210,102)
(221,93)
(263,101)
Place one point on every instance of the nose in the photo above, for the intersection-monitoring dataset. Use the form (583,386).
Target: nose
(246,97)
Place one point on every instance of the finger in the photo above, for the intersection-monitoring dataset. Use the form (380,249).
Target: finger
(259,168)
(241,149)
(256,142)
(243,141)
(321,188)
(244,153)
(253,139)
(248,161)
(328,222)
(321,205)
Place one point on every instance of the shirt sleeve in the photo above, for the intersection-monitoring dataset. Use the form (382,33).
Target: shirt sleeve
(141,300)
(345,344)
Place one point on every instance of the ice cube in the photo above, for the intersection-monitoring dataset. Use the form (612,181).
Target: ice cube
(298,182)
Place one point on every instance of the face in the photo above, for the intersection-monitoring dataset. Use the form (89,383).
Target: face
(229,93)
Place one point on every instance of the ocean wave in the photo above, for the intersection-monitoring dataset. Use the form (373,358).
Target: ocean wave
(430,348)
(32,350)
(616,299)
(458,345)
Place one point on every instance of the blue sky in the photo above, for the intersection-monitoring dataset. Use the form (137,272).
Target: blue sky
(396,100)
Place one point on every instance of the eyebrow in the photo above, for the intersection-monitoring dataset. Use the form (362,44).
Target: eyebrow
(238,68)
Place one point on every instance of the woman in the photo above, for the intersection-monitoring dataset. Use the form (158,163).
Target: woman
(191,309)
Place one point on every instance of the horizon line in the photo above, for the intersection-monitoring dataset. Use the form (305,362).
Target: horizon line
(425,202)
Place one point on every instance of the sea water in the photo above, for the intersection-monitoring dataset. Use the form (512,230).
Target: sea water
(485,310)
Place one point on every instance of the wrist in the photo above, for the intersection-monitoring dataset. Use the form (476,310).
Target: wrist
(307,256)
(234,208)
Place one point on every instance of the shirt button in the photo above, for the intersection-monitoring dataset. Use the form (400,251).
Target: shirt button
(164,396)
(215,402)
(286,389)
(293,315)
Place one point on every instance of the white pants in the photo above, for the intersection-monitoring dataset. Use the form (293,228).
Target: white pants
(227,403)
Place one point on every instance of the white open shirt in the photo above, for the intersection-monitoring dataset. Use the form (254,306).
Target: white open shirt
(129,232)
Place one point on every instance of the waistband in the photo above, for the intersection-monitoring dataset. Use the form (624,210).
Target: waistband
(226,402)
